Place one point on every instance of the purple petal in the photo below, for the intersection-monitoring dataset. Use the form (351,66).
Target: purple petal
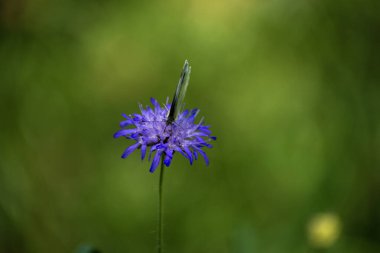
(204,156)
(126,123)
(204,130)
(137,117)
(143,151)
(152,149)
(200,134)
(155,103)
(207,145)
(181,152)
(167,160)
(124,132)
(189,155)
(149,110)
(193,114)
(150,153)
(135,135)
(195,155)
(184,113)
(156,161)
(168,157)
(129,150)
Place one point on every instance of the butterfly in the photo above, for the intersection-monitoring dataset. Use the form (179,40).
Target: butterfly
(179,95)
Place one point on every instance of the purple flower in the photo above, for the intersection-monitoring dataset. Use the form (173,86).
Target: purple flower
(151,129)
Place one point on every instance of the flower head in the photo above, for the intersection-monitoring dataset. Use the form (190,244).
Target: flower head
(151,129)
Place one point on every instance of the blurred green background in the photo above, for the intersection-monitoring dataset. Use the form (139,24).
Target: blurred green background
(291,89)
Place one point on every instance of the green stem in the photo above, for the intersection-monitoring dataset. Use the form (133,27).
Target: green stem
(160,214)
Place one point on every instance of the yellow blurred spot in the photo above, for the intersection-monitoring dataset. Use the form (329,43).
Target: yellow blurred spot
(324,229)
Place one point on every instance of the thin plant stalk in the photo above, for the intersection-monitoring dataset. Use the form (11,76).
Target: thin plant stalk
(160,207)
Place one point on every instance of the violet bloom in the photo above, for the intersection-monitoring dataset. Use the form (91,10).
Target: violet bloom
(151,129)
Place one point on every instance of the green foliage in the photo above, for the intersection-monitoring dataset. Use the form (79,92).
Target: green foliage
(291,89)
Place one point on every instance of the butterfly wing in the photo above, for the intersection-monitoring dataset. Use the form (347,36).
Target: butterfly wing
(180,92)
